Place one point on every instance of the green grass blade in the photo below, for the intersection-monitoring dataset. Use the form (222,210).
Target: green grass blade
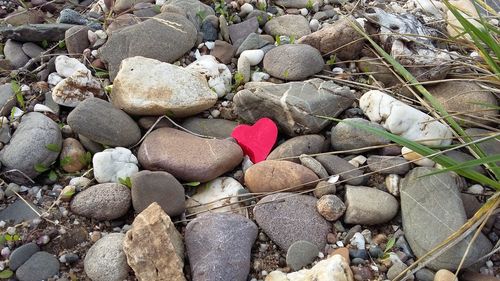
(423,150)
(469,164)
(432,100)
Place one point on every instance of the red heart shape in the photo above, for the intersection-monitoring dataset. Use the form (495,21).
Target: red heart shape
(256,140)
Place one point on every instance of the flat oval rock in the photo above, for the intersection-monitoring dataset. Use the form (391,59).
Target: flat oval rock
(274,175)
(105,201)
(100,122)
(188,157)
(288,217)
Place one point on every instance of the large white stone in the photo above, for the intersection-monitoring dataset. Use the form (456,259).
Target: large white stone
(253,56)
(66,66)
(334,268)
(146,86)
(218,196)
(114,163)
(404,120)
(218,74)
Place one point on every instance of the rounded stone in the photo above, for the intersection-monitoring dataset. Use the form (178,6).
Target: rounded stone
(273,175)
(160,187)
(100,122)
(140,88)
(294,147)
(39,266)
(22,254)
(324,188)
(369,206)
(330,207)
(188,157)
(293,62)
(72,157)
(287,218)
(445,275)
(28,147)
(105,260)
(388,164)
(290,25)
(105,201)
(335,165)
(348,137)
(76,39)
(301,254)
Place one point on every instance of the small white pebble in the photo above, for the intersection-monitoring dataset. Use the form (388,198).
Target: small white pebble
(5,252)
(358,161)
(245,9)
(62,259)
(44,239)
(314,25)
(11,230)
(476,189)
(321,255)
(340,244)
(76,222)
(42,108)
(489,263)
(264,273)
(475,55)
(304,12)
(215,113)
(224,103)
(210,45)
(94,53)
(2,224)
(101,34)
(25,88)
(494,22)
(333,179)
(337,70)
(201,46)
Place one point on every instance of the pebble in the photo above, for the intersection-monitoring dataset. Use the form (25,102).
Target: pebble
(301,254)
(346,136)
(335,165)
(294,147)
(114,164)
(245,9)
(324,188)
(40,265)
(476,189)
(445,275)
(366,205)
(253,56)
(14,53)
(416,158)
(424,274)
(233,255)
(218,75)
(396,269)
(72,157)
(330,207)
(295,26)
(105,260)
(291,218)
(20,255)
(107,201)
(293,62)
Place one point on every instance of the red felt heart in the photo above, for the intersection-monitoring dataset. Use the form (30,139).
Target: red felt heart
(257,140)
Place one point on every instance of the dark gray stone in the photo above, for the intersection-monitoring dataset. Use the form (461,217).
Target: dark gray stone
(192,8)
(71,17)
(32,50)
(388,164)
(151,39)
(241,30)
(294,147)
(490,147)
(218,128)
(99,121)
(22,254)
(291,218)
(160,187)
(35,32)
(90,145)
(226,255)
(209,31)
(13,51)
(300,254)
(335,165)
(106,201)
(18,212)
(50,103)
(28,146)
(76,39)
(425,274)
(347,137)
(432,210)
(293,105)
(40,266)
(461,157)
(293,61)
(252,41)
(7,99)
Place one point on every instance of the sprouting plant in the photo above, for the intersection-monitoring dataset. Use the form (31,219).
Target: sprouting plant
(201,14)
(309,5)
(388,247)
(53,147)
(278,40)
(238,80)
(285,74)
(193,183)
(261,6)
(6,274)
(62,44)
(292,39)
(66,160)
(126,182)
(42,168)
(18,93)
(331,60)
(86,159)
